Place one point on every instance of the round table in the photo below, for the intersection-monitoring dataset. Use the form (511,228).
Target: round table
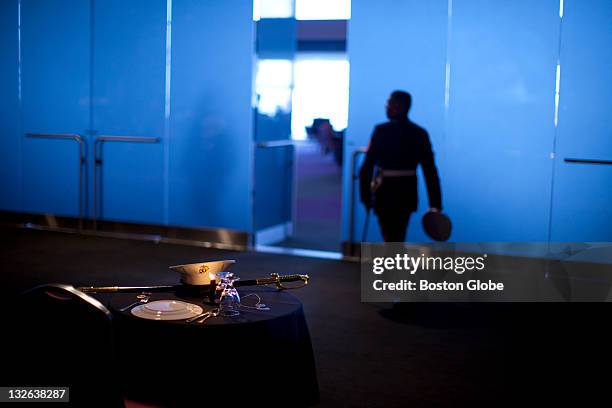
(259,357)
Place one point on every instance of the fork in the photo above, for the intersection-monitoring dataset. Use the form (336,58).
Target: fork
(142,298)
(196,317)
(212,313)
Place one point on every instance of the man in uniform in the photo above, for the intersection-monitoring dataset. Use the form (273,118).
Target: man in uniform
(396,148)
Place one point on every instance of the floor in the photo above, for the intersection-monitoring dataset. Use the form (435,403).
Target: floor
(367,355)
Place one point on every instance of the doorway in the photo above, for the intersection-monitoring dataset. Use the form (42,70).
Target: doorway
(318,122)
(302,89)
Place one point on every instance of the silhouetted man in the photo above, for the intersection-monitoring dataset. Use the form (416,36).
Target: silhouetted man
(396,148)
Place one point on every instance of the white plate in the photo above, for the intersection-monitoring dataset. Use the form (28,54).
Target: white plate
(167,310)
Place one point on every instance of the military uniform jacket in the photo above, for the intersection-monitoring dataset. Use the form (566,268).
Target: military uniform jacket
(399,145)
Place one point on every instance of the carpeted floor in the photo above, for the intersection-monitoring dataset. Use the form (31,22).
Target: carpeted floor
(367,355)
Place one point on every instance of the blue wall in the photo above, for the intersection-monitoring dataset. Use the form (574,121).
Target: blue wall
(394,45)
(179,70)
(497,166)
(211,117)
(482,75)
(10,142)
(581,201)
(55,52)
(274,167)
(276,38)
(129,70)
(495,139)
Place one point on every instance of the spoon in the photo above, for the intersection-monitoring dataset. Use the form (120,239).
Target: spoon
(142,298)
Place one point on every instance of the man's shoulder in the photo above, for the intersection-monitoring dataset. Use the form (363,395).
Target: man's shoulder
(406,123)
(385,128)
(382,126)
(408,128)
(416,129)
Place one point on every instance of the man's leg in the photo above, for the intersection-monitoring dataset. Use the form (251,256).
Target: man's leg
(393,224)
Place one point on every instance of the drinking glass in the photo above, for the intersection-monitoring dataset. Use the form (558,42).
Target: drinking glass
(229,303)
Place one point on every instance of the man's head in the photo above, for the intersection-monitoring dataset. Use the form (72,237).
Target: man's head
(398,105)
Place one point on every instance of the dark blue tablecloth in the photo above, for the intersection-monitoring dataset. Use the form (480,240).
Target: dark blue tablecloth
(258,357)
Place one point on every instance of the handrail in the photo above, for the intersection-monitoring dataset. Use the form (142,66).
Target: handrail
(100,140)
(354,176)
(275,143)
(82,161)
(71,136)
(587,161)
(137,139)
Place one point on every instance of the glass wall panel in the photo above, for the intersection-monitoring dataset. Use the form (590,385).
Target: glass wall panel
(581,208)
(402,49)
(10,139)
(497,167)
(129,71)
(210,164)
(55,56)
(486,99)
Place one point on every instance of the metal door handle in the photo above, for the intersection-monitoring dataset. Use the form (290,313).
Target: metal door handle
(100,140)
(82,160)
(356,153)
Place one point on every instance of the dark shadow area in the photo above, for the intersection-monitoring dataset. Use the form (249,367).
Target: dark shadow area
(433,355)
(448,315)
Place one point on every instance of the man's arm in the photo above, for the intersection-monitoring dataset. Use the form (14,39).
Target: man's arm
(431,175)
(367,169)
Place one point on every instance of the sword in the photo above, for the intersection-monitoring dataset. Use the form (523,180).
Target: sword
(274,279)
(364,235)
(375,184)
